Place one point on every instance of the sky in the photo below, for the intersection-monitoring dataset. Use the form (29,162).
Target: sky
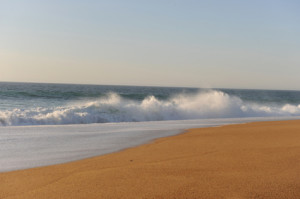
(189,43)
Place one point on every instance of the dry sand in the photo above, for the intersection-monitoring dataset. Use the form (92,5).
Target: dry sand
(256,160)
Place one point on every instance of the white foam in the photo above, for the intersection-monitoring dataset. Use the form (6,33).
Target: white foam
(33,146)
(113,108)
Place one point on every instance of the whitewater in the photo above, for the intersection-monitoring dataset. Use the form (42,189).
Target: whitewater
(45,124)
(114,108)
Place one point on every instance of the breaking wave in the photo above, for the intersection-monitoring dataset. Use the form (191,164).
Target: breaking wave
(114,108)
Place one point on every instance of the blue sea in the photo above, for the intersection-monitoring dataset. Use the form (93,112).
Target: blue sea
(59,104)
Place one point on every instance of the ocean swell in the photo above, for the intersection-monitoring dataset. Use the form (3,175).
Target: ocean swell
(114,108)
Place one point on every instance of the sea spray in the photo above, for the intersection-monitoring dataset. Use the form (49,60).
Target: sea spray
(112,107)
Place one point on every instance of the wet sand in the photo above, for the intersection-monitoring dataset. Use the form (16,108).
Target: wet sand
(255,160)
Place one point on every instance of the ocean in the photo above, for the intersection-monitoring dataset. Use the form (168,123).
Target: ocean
(45,124)
(59,104)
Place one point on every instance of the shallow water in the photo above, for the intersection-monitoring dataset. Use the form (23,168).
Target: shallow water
(24,147)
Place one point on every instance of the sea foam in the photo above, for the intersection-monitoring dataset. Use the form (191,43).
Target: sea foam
(114,108)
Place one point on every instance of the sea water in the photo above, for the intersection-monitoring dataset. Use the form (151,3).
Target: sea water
(44,124)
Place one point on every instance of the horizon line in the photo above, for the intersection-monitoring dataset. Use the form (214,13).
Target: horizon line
(161,86)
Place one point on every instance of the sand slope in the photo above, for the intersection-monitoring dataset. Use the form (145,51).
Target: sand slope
(256,160)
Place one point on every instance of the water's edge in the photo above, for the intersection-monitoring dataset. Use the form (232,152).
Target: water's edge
(34,146)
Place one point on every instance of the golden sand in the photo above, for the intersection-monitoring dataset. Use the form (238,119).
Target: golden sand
(256,160)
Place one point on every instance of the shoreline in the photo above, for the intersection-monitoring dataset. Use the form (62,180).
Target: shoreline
(24,147)
(252,160)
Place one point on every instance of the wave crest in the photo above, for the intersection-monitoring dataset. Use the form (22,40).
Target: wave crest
(114,108)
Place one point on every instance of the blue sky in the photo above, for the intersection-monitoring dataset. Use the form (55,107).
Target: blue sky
(231,44)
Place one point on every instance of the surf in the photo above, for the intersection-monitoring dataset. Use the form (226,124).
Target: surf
(112,107)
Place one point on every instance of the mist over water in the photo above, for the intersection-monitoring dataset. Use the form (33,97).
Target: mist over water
(83,104)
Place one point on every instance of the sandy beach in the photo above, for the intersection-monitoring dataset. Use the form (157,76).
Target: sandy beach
(255,160)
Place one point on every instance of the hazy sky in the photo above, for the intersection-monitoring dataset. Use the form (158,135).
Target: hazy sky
(229,44)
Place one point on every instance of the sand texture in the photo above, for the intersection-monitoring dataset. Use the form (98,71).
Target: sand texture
(256,160)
